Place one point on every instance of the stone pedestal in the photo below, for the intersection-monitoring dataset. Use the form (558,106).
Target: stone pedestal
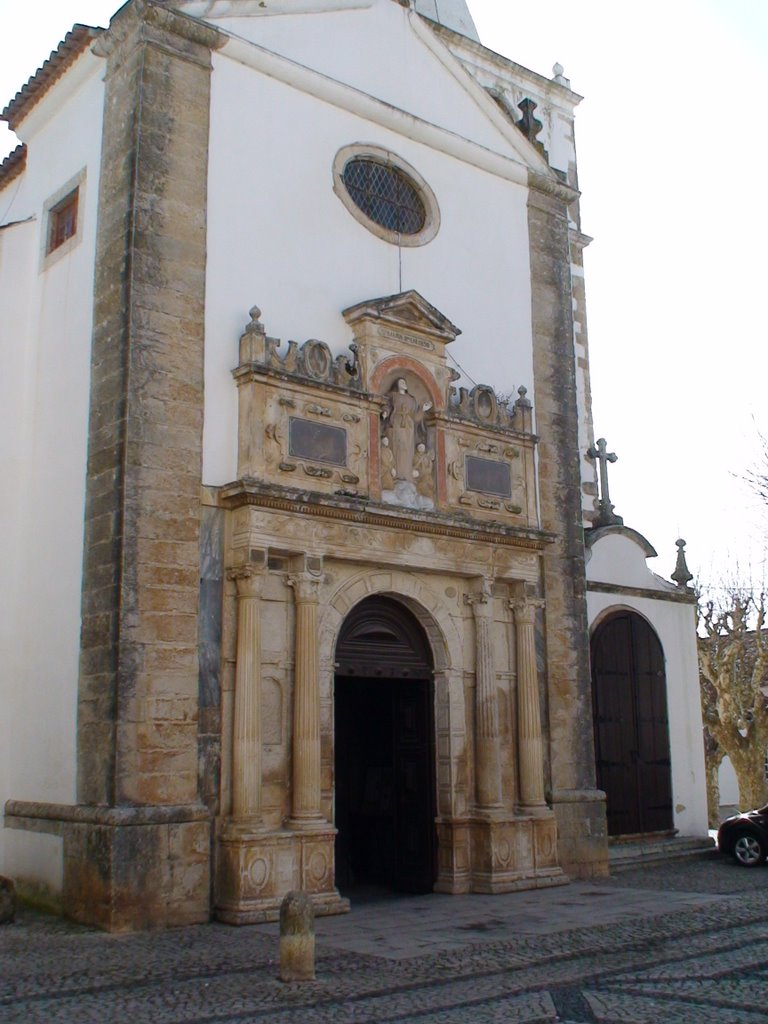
(497,852)
(132,877)
(454,858)
(257,870)
(514,853)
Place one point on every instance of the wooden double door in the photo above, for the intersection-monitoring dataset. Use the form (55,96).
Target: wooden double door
(631,725)
(384,752)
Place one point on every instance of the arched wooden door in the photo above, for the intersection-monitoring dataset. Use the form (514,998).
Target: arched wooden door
(631,726)
(384,750)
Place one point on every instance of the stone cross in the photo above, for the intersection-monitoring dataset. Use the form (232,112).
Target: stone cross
(606,515)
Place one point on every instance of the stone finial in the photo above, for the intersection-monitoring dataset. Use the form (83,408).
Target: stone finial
(681,575)
(297,938)
(559,76)
(7,900)
(605,514)
(523,401)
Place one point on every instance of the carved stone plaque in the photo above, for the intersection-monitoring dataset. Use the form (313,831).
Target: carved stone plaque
(488,476)
(318,442)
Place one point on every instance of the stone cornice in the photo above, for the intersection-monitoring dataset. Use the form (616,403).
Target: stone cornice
(551,186)
(496,62)
(675,595)
(579,239)
(192,34)
(44,817)
(367,513)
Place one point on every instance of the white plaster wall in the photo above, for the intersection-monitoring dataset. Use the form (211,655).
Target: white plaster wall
(377,51)
(45,370)
(729,784)
(675,627)
(619,559)
(279,237)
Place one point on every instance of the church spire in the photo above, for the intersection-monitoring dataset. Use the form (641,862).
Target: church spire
(451,13)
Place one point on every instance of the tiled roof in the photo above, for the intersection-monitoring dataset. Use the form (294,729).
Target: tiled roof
(67,52)
(13,165)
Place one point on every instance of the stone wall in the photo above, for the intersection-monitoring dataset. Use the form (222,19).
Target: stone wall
(578,807)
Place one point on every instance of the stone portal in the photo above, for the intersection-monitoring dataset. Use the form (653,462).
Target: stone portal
(385,797)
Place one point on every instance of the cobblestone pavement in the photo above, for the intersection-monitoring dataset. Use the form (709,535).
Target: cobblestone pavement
(681,942)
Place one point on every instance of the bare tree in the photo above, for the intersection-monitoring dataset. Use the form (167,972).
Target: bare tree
(733,668)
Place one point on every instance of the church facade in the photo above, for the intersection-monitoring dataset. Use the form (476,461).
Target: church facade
(298,434)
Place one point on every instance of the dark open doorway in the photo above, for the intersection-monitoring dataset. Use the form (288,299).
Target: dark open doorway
(384,751)
(631,727)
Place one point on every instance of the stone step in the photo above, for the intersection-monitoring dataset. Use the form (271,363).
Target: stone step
(629,853)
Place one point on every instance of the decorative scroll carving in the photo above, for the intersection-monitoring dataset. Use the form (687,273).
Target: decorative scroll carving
(482,405)
(312,360)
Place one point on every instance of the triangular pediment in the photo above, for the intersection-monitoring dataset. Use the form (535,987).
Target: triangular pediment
(406,309)
(420,76)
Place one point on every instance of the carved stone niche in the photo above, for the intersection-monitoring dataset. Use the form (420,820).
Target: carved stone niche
(399,334)
(382,420)
(489,458)
(303,423)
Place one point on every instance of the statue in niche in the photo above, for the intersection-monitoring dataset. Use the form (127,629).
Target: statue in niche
(404,418)
(423,462)
(405,415)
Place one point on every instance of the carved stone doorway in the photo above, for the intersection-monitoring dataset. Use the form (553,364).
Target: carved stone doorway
(384,751)
(631,726)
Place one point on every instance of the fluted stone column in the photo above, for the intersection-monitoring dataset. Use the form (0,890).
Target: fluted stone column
(487,756)
(306,703)
(246,739)
(530,744)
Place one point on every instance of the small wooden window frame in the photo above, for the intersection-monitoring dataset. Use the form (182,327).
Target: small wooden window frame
(63,215)
(62,221)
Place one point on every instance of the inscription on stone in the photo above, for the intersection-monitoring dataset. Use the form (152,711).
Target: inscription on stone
(409,339)
(319,442)
(488,476)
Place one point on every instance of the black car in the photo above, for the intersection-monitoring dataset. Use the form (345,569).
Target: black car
(745,837)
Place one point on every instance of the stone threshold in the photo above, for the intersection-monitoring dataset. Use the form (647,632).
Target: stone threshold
(631,851)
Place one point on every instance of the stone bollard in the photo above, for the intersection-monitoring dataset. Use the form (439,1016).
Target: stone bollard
(7,900)
(297,938)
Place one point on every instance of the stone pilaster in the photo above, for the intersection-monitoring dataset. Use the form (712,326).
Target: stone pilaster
(581,821)
(138,687)
(246,733)
(306,704)
(487,754)
(529,741)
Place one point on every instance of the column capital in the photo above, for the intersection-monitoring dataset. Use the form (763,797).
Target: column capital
(305,586)
(248,579)
(525,609)
(479,599)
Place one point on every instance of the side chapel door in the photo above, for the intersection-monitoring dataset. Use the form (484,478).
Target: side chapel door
(631,726)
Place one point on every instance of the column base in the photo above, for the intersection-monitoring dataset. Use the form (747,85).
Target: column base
(254,873)
(495,852)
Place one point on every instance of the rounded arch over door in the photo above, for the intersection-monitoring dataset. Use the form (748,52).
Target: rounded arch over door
(632,751)
(382,638)
(384,760)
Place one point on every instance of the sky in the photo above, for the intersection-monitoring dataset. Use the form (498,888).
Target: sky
(672,148)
